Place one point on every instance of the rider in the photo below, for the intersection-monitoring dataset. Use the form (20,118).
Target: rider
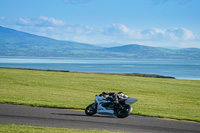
(113,97)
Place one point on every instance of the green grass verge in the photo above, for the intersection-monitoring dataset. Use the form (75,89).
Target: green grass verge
(167,98)
(35,129)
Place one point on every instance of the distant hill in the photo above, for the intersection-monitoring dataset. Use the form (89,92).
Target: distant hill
(142,51)
(17,43)
(139,51)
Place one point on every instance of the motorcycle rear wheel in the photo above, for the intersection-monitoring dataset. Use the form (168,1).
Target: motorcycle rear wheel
(125,112)
(91,109)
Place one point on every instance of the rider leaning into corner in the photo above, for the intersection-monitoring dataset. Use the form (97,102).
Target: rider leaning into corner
(114,97)
(116,104)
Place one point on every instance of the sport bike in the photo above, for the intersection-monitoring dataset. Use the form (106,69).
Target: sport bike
(104,105)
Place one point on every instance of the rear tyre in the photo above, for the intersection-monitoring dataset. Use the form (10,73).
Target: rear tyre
(123,112)
(91,109)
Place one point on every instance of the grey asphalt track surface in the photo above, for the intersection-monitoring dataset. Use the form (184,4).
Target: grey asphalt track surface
(63,118)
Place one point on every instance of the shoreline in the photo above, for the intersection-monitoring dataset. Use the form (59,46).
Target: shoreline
(123,74)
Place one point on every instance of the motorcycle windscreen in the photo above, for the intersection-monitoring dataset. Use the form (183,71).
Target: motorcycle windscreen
(131,101)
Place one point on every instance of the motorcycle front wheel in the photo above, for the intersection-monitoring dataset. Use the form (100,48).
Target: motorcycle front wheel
(123,112)
(91,109)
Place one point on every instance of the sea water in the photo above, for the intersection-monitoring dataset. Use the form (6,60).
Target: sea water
(180,69)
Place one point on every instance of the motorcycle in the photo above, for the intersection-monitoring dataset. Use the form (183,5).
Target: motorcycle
(104,105)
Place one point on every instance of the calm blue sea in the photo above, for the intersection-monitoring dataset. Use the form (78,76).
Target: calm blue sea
(180,69)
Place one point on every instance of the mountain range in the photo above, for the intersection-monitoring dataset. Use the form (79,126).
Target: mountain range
(17,43)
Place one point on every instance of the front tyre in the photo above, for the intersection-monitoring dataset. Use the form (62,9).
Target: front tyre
(91,109)
(123,112)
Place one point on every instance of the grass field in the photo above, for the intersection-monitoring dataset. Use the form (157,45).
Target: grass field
(167,98)
(34,129)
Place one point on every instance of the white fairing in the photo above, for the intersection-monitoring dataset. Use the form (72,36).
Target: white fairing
(100,108)
(99,98)
(131,101)
(103,110)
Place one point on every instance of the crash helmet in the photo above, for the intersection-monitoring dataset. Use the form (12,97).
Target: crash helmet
(120,94)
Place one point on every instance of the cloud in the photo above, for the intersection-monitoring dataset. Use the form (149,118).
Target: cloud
(41,21)
(152,34)
(180,34)
(51,21)
(116,29)
(168,34)
(148,34)
(78,29)
(114,33)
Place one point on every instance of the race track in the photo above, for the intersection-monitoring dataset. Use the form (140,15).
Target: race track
(63,118)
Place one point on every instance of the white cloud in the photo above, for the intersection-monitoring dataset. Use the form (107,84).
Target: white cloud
(51,21)
(149,34)
(114,33)
(180,34)
(153,33)
(168,34)
(153,37)
(116,29)
(41,21)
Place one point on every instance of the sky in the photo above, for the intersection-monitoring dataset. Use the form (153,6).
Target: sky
(158,23)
